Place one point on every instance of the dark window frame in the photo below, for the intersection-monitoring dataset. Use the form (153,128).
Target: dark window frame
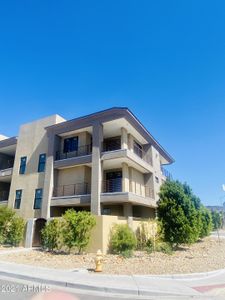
(42,162)
(18,198)
(70,144)
(38,199)
(23,165)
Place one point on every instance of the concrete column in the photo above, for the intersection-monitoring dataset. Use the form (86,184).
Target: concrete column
(128,213)
(125,180)
(96,173)
(29,233)
(49,179)
(130,142)
(124,138)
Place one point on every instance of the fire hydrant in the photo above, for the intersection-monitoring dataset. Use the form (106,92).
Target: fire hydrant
(98,261)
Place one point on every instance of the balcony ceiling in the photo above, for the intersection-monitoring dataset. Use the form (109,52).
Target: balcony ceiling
(113,128)
(9,150)
(88,129)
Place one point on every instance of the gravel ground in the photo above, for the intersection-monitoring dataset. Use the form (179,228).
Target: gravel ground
(206,255)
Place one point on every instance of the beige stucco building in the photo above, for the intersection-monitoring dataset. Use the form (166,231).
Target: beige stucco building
(106,163)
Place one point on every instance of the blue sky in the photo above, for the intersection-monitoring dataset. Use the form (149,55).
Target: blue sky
(165,60)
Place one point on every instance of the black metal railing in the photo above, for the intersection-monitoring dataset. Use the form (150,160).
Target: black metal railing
(82,188)
(4,195)
(111,145)
(112,185)
(166,173)
(141,190)
(81,151)
(142,154)
(7,164)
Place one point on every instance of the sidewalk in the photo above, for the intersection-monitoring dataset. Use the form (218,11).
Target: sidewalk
(185,285)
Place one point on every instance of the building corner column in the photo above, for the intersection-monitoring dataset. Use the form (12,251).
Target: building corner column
(96,172)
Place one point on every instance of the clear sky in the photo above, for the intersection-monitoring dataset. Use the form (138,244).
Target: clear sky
(165,60)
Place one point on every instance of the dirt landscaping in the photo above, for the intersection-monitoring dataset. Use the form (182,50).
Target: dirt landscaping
(206,255)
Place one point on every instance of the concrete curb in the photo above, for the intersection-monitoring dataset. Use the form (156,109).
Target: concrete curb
(189,276)
(133,292)
(131,285)
(136,285)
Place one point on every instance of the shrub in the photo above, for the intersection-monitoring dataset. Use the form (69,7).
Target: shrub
(141,236)
(177,214)
(123,240)
(216,220)
(11,227)
(77,229)
(206,222)
(51,235)
(150,247)
(164,247)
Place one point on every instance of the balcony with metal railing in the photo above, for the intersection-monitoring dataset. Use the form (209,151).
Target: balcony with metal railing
(114,144)
(82,188)
(112,185)
(115,186)
(166,173)
(142,154)
(81,151)
(4,195)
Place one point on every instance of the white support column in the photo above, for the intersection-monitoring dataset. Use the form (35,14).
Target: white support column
(125,180)
(96,175)
(124,138)
(29,233)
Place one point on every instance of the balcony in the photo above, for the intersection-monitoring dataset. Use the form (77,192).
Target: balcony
(114,144)
(115,186)
(142,154)
(4,195)
(112,185)
(82,188)
(5,173)
(166,173)
(81,151)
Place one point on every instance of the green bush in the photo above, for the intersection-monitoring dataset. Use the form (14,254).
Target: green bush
(51,235)
(164,247)
(216,220)
(77,229)
(123,240)
(11,227)
(206,222)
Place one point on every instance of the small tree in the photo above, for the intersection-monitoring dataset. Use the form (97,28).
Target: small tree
(51,235)
(77,229)
(206,222)
(123,240)
(177,214)
(216,220)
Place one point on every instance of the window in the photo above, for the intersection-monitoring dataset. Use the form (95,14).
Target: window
(42,161)
(157,179)
(38,198)
(18,199)
(106,211)
(70,144)
(23,161)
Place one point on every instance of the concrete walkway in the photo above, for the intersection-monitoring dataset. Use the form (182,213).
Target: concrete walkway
(195,286)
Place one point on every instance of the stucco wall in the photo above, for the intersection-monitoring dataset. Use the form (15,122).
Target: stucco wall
(100,236)
(32,141)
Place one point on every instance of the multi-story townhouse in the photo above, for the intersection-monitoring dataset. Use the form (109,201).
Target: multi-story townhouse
(106,163)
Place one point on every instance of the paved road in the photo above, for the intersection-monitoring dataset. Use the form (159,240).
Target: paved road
(22,290)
